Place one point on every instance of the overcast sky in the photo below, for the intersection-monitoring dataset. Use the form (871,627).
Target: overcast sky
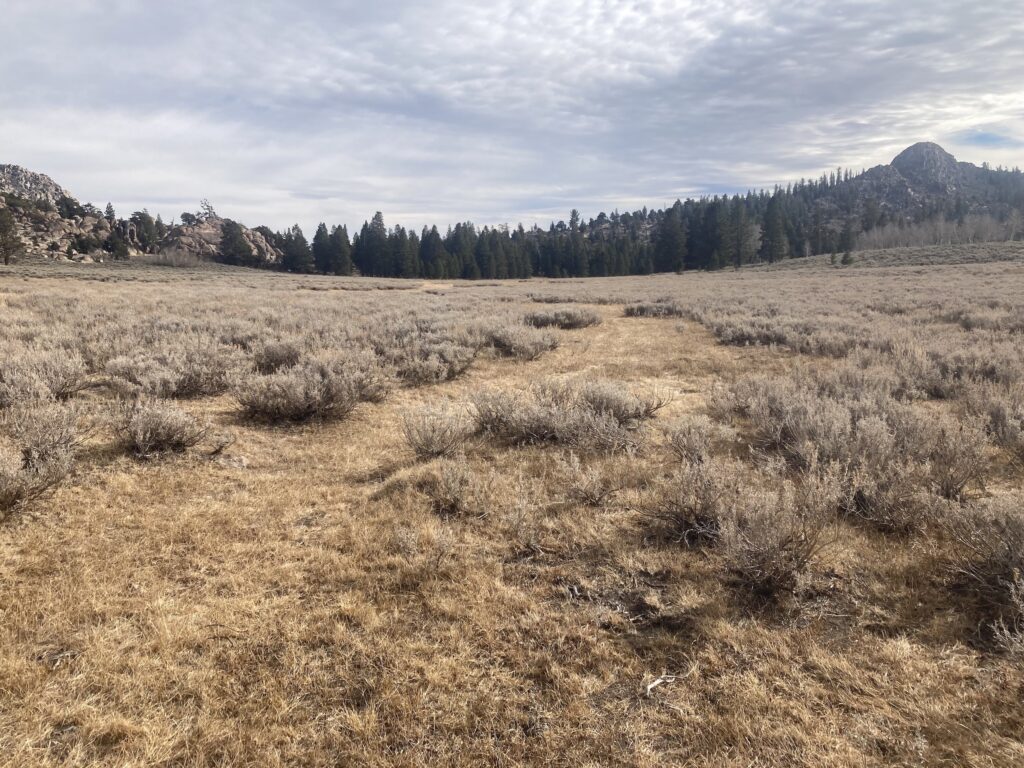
(436,111)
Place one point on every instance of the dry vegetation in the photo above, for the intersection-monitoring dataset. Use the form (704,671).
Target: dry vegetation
(770,517)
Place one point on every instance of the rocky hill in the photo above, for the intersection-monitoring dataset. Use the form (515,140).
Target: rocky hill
(20,182)
(52,224)
(925,177)
(202,240)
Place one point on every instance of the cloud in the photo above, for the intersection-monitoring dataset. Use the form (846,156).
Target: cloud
(982,138)
(443,110)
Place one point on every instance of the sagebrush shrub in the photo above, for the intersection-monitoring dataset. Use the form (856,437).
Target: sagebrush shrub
(559,412)
(770,537)
(589,485)
(272,356)
(1002,408)
(690,438)
(988,559)
(64,374)
(662,308)
(567,319)
(197,367)
(153,427)
(451,486)
(521,341)
(26,476)
(311,390)
(43,431)
(693,501)
(957,458)
(436,431)
(612,398)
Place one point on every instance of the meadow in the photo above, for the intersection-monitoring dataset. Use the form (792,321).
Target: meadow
(760,517)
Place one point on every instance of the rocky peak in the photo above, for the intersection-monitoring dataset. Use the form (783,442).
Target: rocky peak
(928,165)
(16,180)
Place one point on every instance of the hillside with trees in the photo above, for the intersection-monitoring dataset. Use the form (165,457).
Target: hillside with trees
(924,197)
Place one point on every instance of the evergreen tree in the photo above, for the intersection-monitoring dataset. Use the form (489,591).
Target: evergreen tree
(234,249)
(109,214)
(776,244)
(322,249)
(10,242)
(670,247)
(297,255)
(145,230)
(341,252)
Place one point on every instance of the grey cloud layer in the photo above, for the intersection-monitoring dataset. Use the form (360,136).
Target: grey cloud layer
(442,110)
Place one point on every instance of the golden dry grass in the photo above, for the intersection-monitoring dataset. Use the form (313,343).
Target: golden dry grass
(295,601)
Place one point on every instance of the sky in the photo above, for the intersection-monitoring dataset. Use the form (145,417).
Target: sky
(507,111)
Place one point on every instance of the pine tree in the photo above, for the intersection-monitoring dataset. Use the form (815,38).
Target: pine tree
(109,214)
(776,244)
(234,248)
(322,249)
(341,252)
(297,255)
(10,242)
(670,246)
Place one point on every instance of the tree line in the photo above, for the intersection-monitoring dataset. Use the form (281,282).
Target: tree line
(825,215)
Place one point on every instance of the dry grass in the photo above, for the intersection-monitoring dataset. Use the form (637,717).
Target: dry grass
(308,596)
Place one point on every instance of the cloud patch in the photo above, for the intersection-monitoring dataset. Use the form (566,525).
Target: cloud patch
(437,111)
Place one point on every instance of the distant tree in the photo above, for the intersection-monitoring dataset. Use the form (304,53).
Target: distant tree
(10,242)
(847,238)
(670,246)
(115,245)
(145,230)
(775,245)
(234,248)
(371,253)
(341,252)
(297,254)
(108,213)
(322,249)
(206,211)
(69,208)
(189,219)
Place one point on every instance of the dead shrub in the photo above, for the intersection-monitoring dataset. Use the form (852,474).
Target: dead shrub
(690,438)
(451,486)
(434,432)
(567,319)
(148,428)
